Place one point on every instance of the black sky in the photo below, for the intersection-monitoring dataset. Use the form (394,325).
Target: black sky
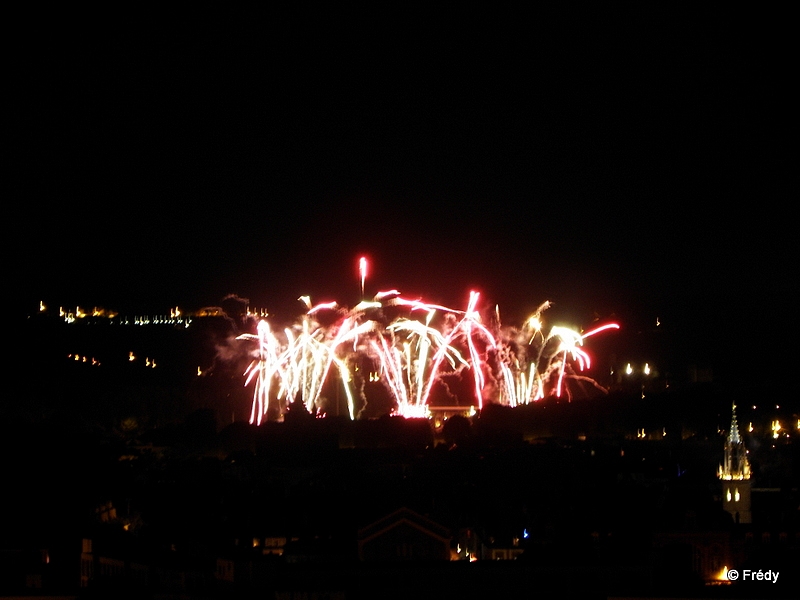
(629,162)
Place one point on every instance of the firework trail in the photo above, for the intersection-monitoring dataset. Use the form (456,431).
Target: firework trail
(527,368)
(264,369)
(409,361)
(362,269)
(410,354)
(300,365)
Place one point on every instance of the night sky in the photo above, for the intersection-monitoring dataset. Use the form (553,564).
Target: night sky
(622,163)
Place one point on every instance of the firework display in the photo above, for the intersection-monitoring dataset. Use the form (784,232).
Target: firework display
(411,355)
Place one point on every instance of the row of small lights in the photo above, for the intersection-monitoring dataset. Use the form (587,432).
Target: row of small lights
(629,370)
(159,320)
(148,362)
(647,369)
(775,427)
(175,316)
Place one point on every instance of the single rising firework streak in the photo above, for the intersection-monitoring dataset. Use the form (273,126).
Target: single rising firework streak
(362,268)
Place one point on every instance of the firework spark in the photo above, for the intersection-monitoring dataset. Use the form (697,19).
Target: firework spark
(362,269)
(528,368)
(410,361)
(411,354)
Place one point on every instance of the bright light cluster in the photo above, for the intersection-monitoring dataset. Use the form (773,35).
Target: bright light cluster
(176,316)
(410,355)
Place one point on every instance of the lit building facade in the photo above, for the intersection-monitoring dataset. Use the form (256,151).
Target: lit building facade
(735,475)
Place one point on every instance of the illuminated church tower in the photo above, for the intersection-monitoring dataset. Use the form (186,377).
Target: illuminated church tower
(735,476)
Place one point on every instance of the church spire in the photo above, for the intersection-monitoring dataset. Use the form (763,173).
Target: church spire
(736,465)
